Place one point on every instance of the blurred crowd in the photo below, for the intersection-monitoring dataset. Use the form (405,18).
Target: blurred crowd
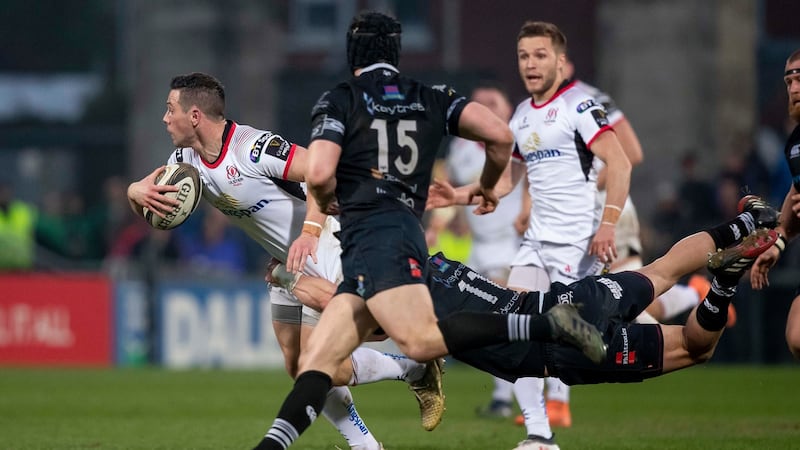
(64,231)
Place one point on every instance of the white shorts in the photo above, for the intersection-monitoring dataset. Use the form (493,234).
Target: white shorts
(329,254)
(493,257)
(280,297)
(328,266)
(563,263)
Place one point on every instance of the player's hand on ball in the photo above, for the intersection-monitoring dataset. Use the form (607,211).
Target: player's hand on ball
(147,194)
(167,196)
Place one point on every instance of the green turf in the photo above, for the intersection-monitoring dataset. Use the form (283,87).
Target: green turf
(711,407)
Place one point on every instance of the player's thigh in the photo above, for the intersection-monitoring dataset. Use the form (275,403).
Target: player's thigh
(793,327)
(341,328)
(406,314)
(528,278)
(676,353)
(310,319)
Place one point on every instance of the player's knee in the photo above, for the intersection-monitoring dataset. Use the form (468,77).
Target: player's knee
(793,339)
(701,357)
(344,373)
(291,368)
(420,348)
(793,328)
(290,357)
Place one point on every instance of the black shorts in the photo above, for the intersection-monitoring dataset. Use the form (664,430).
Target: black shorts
(635,353)
(382,251)
(611,302)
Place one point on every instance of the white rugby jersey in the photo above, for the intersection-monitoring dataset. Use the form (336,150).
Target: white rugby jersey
(553,139)
(248,184)
(614,113)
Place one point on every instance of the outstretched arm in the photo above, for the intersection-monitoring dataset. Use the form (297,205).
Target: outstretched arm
(479,123)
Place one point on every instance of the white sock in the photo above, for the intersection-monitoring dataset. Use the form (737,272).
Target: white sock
(530,396)
(645,317)
(557,390)
(678,299)
(370,365)
(341,412)
(503,390)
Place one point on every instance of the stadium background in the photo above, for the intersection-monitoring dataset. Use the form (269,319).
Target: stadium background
(82,89)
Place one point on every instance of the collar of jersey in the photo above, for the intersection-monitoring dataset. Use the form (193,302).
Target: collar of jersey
(377,66)
(564,86)
(226,140)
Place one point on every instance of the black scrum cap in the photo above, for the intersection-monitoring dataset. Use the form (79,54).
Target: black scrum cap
(372,38)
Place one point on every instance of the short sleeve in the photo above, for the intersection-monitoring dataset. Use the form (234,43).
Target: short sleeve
(454,106)
(328,117)
(272,155)
(590,118)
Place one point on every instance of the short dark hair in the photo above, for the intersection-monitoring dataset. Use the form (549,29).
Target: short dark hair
(202,90)
(794,56)
(373,37)
(533,29)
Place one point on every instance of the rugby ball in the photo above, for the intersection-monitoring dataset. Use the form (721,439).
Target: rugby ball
(187,179)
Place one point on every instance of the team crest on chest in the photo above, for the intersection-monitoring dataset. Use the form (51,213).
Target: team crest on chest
(551,116)
(234,177)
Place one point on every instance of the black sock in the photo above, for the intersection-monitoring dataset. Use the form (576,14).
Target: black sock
(310,390)
(733,231)
(712,313)
(466,330)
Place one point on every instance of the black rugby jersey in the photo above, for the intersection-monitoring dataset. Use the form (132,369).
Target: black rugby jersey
(389,127)
(792,153)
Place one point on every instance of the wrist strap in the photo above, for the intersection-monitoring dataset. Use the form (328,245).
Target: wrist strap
(781,243)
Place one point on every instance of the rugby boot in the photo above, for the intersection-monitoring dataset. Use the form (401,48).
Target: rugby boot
(764,215)
(733,262)
(558,414)
(361,447)
(569,328)
(496,409)
(537,443)
(429,394)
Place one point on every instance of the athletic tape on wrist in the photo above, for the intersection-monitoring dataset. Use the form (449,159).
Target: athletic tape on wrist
(781,244)
(312,228)
(611,214)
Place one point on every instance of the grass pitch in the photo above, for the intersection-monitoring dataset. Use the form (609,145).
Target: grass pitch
(707,407)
